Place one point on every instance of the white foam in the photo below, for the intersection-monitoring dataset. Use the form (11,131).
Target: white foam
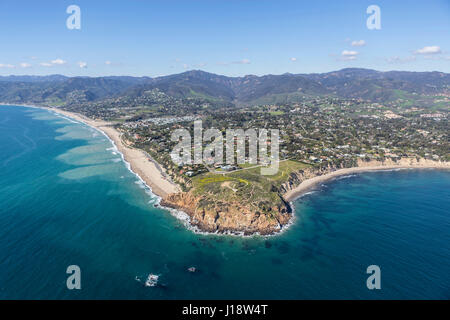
(180,215)
(394,169)
(186,221)
(127,164)
(307,193)
(345,176)
(140,184)
(64,117)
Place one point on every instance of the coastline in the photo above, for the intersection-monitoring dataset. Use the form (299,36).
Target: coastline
(139,162)
(151,173)
(309,184)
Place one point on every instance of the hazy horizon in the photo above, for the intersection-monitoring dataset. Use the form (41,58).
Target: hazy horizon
(232,38)
(200,70)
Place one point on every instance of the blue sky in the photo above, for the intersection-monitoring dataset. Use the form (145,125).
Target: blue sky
(227,37)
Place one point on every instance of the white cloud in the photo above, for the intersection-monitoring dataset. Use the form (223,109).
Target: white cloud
(358,43)
(429,50)
(25,65)
(7,65)
(82,64)
(349,55)
(53,63)
(108,63)
(293,59)
(58,61)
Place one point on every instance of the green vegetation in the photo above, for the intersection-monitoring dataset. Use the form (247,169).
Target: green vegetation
(332,119)
(276,113)
(246,186)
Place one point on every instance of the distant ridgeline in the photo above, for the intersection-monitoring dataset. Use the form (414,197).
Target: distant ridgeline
(198,90)
(327,122)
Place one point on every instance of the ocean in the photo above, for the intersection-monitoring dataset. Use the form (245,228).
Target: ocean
(68,198)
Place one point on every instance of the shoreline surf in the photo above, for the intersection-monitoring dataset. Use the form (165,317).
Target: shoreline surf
(309,184)
(136,159)
(147,172)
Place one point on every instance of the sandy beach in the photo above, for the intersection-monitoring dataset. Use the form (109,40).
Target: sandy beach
(153,174)
(306,185)
(140,163)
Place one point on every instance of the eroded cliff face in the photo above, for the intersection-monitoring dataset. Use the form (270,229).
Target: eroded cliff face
(405,162)
(295,178)
(236,217)
(232,217)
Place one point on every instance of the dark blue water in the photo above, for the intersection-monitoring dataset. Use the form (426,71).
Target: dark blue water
(67,198)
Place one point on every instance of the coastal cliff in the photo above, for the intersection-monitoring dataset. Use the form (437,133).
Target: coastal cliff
(236,217)
(296,178)
(300,182)
(231,217)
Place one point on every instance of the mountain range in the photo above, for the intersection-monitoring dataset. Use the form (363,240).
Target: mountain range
(365,84)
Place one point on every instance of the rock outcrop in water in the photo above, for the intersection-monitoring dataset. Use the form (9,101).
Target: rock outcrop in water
(237,218)
(231,217)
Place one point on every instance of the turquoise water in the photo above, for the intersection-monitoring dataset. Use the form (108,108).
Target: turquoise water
(66,197)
